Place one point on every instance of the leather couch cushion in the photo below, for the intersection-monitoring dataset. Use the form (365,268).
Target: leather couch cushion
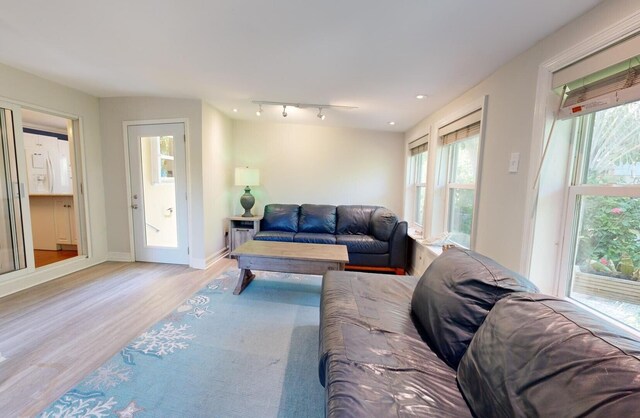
(319,219)
(278,217)
(456,293)
(373,362)
(315,238)
(363,244)
(538,356)
(383,221)
(274,236)
(354,219)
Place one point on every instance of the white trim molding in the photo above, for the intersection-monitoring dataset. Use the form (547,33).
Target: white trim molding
(203,264)
(120,256)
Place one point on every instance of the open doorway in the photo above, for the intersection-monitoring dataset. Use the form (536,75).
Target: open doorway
(51,167)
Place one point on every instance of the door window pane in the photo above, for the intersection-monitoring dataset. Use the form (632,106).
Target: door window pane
(161,227)
(12,251)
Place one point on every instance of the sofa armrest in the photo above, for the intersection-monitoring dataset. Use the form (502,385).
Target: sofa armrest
(398,246)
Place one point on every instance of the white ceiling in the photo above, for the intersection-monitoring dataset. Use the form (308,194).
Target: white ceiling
(376,55)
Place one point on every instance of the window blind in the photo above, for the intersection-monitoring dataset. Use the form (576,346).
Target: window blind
(461,128)
(614,90)
(463,133)
(419,145)
(599,62)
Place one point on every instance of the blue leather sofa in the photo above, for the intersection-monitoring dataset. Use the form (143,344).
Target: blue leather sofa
(374,236)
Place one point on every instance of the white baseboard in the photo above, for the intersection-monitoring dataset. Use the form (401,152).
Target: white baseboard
(124,257)
(203,264)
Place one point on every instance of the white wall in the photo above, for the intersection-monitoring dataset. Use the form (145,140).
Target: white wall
(322,165)
(502,212)
(26,89)
(113,112)
(217,178)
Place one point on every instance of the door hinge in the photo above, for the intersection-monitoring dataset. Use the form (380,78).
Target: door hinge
(184,138)
(188,251)
(81,188)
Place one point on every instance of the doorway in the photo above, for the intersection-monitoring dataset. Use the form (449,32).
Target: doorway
(158,184)
(49,154)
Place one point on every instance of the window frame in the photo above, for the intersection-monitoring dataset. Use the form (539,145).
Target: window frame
(450,186)
(576,189)
(414,184)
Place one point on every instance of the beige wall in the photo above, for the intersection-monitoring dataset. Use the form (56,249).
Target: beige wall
(316,164)
(209,149)
(115,111)
(25,89)
(217,178)
(502,213)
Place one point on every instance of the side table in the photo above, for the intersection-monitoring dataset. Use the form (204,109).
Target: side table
(242,229)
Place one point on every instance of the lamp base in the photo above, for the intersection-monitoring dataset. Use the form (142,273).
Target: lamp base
(247,201)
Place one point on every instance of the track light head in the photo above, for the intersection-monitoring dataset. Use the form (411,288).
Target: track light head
(320,115)
(284,111)
(259,112)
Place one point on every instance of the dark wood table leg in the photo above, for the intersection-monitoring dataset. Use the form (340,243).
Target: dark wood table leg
(243,281)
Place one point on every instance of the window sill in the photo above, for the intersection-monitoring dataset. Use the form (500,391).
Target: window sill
(435,250)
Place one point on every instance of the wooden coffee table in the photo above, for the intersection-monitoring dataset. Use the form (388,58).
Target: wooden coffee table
(287,257)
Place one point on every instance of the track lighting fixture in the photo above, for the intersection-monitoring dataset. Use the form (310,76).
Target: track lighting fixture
(320,107)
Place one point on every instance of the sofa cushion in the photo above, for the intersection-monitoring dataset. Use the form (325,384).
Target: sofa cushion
(274,236)
(354,219)
(373,362)
(278,217)
(454,296)
(383,221)
(363,244)
(536,355)
(319,219)
(314,238)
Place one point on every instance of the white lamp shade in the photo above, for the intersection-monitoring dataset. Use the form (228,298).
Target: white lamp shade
(246,176)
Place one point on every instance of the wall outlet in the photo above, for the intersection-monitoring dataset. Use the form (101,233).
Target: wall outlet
(514,162)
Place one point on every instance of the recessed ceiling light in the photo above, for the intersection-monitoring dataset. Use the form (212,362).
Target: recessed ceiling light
(392,123)
(235,110)
(420,96)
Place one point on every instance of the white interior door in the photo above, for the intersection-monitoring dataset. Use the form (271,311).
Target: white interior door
(157,163)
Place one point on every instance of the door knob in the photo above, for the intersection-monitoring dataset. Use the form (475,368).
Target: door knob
(134,206)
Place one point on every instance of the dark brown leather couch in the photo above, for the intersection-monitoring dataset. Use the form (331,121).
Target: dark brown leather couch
(469,338)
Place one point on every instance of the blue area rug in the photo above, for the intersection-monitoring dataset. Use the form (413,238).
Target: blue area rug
(216,355)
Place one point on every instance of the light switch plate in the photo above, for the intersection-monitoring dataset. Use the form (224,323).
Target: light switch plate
(514,162)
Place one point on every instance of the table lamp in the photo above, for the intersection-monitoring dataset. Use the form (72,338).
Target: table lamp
(246,176)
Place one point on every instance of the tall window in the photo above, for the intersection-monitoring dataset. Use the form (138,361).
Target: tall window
(604,205)
(418,180)
(461,148)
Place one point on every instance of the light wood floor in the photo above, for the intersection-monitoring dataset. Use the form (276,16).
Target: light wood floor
(54,334)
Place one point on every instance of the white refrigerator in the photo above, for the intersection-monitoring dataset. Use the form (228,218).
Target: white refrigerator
(48,165)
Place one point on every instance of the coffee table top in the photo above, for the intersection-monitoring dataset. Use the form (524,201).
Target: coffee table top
(293,250)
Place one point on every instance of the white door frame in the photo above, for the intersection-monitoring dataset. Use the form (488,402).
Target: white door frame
(125,143)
